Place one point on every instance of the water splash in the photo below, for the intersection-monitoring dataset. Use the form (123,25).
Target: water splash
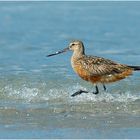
(24,93)
(63,94)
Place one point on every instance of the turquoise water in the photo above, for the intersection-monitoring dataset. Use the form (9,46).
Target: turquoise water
(35,91)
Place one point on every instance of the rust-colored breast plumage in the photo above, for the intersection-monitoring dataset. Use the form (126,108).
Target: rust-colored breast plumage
(99,70)
(78,68)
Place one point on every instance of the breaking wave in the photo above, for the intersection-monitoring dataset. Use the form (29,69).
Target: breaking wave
(63,95)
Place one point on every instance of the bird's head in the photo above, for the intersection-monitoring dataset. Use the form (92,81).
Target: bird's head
(76,46)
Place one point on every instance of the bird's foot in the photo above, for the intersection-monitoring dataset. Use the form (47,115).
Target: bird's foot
(79,92)
(95,93)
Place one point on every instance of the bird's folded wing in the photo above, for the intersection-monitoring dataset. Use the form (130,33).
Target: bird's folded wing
(100,66)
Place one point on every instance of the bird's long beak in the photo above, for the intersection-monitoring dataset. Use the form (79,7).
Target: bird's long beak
(58,52)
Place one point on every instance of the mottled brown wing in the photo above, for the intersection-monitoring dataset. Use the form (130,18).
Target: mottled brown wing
(100,66)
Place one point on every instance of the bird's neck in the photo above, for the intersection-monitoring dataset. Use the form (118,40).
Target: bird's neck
(78,54)
(75,57)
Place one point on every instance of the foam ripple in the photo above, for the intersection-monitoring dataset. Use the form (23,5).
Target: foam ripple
(63,95)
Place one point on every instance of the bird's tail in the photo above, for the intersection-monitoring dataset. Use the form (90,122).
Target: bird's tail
(136,68)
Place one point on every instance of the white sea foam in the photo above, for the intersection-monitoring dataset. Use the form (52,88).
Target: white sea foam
(111,96)
(26,93)
(107,97)
(64,94)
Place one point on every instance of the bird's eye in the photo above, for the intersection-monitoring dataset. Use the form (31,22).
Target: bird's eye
(71,45)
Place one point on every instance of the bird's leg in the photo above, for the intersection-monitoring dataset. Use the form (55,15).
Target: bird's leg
(104,87)
(82,91)
(97,90)
(79,92)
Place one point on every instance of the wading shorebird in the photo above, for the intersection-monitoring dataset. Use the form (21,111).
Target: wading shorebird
(95,69)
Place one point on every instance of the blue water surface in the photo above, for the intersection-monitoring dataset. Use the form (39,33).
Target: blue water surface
(35,91)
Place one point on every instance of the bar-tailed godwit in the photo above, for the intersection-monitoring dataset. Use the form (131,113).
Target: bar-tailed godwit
(95,69)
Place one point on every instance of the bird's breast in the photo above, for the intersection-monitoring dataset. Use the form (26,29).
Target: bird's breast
(78,68)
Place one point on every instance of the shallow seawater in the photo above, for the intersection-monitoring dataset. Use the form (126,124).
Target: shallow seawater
(35,91)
